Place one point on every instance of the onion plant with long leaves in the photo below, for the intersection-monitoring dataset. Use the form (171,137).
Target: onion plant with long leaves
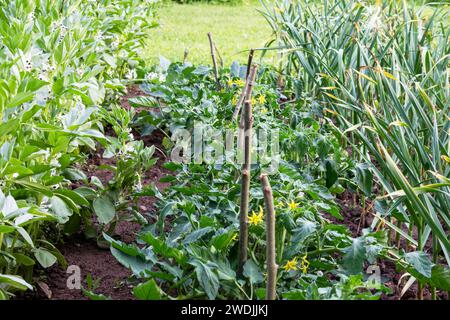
(380,72)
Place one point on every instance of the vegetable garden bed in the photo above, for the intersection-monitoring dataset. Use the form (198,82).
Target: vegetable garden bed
(323,176)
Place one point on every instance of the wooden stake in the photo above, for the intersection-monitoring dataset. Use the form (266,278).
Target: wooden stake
(186,52)
(213,55)
(248,98)
(245,189)
(272,267)
(247,91)
(249,62)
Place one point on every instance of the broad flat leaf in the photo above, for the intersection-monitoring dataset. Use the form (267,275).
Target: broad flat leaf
(252,272)
(77,198)
(305,230)
(104,209)
(8,126)
(74,174)
(331,174)
(196,235)
(15,281)
(45,258)
(440,277)
(354,256)
(161,247)
(147,291)
(223,240)
(128,249)
(25,235)
(35,187)
(420,262)
(136,264)
(144,101)
(234,69)
(202,70)
(23,259)
(364,178)
(207,278)
(60,209)
(9,205)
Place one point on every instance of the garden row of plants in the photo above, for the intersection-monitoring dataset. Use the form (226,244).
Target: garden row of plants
(63,65)
(359,101)
(365,117)
(192,250)
(380,76)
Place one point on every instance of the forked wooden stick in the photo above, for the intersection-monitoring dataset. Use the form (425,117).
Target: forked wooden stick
(213,55)
(247,91)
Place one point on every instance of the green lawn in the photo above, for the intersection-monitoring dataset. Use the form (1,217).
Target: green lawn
(234,28)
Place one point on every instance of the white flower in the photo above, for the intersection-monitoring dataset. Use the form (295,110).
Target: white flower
(31,17)
(42,77)
(138,186)
(151,76)
(15,175)
(55,163)
(129,148)
(162,77)
(131,74)
(115,45)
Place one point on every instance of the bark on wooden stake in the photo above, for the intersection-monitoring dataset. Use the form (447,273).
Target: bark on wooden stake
(248,98)
(186,52)
(272,267)
(249,62)
(247,91)
(245,189)
(213,55)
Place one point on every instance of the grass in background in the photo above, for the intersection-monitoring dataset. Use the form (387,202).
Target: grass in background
(235,28)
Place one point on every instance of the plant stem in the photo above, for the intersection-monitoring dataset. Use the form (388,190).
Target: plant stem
(270,239)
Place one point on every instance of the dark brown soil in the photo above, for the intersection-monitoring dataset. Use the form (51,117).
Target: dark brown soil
(111,277)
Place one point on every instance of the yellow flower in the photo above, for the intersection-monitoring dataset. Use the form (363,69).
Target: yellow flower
(293,205)
(264,110)
(261,99)
(234,100)
(291,264)
(253,101)
(256,218)
(230,82)
(304,264)
(239,82)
